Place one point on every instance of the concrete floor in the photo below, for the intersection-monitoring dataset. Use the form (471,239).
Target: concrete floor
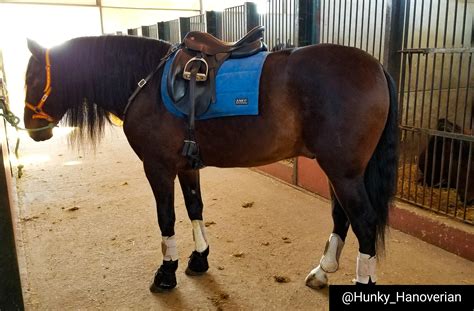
(89,238)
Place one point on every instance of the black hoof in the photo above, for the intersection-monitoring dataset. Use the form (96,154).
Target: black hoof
(364,285)
(197,264)
(165,277)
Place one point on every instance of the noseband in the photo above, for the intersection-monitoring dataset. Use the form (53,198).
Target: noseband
(38,108)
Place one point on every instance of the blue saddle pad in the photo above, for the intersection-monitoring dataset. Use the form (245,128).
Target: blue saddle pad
(237,85)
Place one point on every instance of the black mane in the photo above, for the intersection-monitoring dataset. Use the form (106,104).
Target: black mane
(93,76)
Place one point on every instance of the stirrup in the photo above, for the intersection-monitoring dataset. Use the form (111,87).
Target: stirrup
(200,77)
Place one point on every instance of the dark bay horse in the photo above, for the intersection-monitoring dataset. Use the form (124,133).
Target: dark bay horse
(331,103)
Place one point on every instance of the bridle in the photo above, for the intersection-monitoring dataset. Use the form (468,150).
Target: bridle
(38,108)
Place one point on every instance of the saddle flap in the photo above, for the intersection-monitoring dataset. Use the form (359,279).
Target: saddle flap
(178,89)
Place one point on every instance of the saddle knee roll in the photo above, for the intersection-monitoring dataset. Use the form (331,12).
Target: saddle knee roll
(330,260)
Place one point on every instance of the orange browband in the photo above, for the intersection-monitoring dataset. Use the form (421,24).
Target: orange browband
(38,108)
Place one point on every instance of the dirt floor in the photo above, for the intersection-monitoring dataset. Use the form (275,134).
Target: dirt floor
(89,238)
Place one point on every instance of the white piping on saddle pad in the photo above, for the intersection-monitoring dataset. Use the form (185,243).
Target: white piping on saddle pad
(366,268)
(199,235)
(169,248)
(330,260)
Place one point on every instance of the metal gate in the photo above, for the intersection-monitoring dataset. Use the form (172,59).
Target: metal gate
(238,20)
(280,21)
(209,21)
(150,31)
(357,23)
(169,31)
(436,97)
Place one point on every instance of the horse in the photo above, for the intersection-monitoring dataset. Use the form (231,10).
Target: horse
(327,102)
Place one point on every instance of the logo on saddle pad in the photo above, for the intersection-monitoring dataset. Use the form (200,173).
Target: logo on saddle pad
(241,101)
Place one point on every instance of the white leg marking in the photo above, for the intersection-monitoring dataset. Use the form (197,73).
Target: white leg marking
(366,268)
(169,248)
(199,235)
(329,262)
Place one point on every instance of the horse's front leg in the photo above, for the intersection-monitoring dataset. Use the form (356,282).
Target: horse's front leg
(161,180)
(189,181)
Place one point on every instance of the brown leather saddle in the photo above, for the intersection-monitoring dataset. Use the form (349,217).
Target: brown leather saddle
(204,54)
(191,81)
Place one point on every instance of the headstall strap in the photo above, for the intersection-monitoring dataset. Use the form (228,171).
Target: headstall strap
(38,108)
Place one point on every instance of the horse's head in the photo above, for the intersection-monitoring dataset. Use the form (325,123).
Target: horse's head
(41,111)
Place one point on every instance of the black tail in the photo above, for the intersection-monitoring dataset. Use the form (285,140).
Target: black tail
(381,173)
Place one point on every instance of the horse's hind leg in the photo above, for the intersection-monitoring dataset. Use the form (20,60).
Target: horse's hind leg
(329,262)
(353,196)
(161,180)
(189,181)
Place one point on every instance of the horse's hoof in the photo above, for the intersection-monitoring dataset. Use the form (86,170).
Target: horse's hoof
(365,285)
(197,264)
(165,277)
(317,278)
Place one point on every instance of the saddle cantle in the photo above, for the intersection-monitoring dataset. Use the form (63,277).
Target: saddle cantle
(191,81)
(205,54)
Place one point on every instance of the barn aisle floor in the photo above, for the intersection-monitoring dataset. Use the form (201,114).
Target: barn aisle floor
(90,240)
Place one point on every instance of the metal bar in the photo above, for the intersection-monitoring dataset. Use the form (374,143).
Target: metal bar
(317,21)
(184,26)
(382,30)
(450,164)
(448,99)
(437,50)
(394,37)
(368,27)
(362,25)
(439,95)
(356,21)
(437,133)
(407,110)
(279,21)
(328,19)
(286,16)
(458,173)
(339,23)
(469,158)
(432,94)
(404,20)
(375,28)
(467,94)
(333,20)
(417,76)
(350,24)
(274,35)
(423,98)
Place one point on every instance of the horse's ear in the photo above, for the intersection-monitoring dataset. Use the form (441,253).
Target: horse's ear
(36,50)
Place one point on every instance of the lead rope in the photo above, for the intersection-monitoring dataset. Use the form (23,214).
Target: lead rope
(13,120)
